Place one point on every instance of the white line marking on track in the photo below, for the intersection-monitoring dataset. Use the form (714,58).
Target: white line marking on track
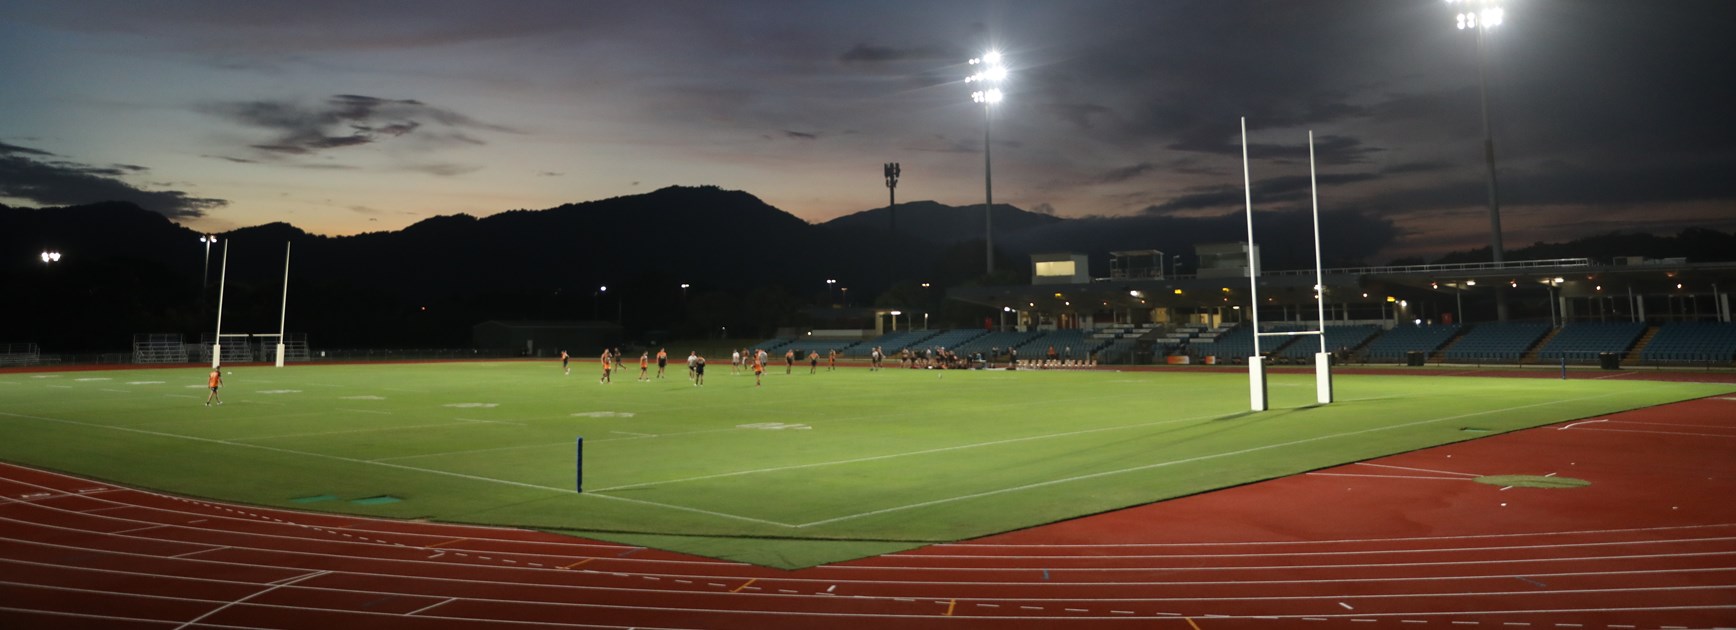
(1444,472)
(430,606)
(1327,474)
(256,594)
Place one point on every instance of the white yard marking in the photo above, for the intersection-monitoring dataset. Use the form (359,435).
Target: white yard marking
(278,391)
(773,426)
(88,379)
(471,405)
(603,414)
(144,382)
(362,397)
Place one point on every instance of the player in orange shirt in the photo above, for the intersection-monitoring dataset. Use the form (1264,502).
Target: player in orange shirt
(607,364)
(214,381)
(832,360)
(759,368)
(645,366)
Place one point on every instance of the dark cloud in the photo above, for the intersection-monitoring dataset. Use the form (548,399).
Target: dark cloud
(348,120)
(1125,173)
(55,182)
(798,135)
(872,54)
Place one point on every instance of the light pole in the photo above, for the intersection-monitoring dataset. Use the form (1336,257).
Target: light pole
(205,279)
(892,171)
(1480,16)
(992,73)
(829,284)
(845,298)
(684,286)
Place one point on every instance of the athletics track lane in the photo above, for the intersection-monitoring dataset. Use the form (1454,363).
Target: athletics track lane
(1404,541)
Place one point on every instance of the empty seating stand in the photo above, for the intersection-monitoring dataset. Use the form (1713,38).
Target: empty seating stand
(1496,343)
(1583,342)
(1393,345)
(1337,338)
(1692,342)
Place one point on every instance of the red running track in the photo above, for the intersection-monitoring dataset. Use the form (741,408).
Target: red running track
(1408,541)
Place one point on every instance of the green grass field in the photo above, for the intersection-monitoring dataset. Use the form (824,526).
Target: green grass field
(805,470)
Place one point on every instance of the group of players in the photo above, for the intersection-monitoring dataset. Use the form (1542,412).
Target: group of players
(740,360)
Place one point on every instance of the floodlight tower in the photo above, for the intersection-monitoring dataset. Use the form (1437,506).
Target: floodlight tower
(892,171)
(992,73)
(1480,16)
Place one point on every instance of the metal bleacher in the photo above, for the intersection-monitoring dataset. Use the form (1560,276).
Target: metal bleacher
(16,354)
(160,348)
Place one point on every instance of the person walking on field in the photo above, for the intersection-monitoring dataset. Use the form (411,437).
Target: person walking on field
(735,362)
(644,367)
(692,364)
(214,381)
(789,360)
(832,360)
(699,372)
(662,360)
(607,364)
(564,359)
(759,368)
(813,361)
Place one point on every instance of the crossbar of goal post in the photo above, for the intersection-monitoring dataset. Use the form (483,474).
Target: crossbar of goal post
(1257,399)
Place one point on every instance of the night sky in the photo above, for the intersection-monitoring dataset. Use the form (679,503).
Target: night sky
(346,117)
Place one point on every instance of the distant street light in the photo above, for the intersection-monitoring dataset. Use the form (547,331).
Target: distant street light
(992,73)
(1480,16)
(846,297)
(597,302)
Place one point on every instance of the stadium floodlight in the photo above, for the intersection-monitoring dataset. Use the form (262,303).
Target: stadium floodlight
(50,256)
(990,72)
(1480,17)
(205,277)
(895,315)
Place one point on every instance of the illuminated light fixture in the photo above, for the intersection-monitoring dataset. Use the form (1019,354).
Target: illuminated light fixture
(1433,285)
(1678,284)
(1178,291)
(1135,293)
(1600,287)
(1365,295)
(1391,299)
(685,285)
(925,285)
(1470,283)
(1057,296)
(49,257)
(1403,303)
(895,313)
(1488,14)
(1006,309)
(602,288)
(1226,289)
(1513,283)
(1559,280)
(1067,303)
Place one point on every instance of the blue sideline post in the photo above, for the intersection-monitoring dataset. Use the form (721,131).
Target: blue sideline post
(579,466)
(1564,366)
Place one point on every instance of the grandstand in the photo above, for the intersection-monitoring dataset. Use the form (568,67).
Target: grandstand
(1692,342)
(1496,342)
(1237,342)
(1337,338)
(994,343)
(1583,342)
(893,342)
(1395,343)
(950,339)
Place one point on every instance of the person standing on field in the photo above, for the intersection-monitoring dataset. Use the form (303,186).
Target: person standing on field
(813,361)
(735,362)
(789,360)
(832,360)
(607,364)
(699,371)
(644,366)
(564,359)
(214,381)
(662,360)
(759,368)
(692,365)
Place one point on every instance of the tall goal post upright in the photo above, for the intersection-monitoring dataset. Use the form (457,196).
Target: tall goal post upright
(1322,359)
(1256,363)
(283,314)
(222,283)
(1257,398)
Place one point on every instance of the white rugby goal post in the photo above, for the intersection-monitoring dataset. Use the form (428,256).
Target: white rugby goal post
(1257,399)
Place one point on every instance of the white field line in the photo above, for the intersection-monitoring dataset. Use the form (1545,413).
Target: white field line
(383,464)
(347,431)
(910,453)
(1311,554)
(562,443)
(1444,472)
(1201,458)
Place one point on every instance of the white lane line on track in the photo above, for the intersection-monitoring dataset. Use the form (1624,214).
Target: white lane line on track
(1200,458)
(1716,435)
(1443,472)
(1347,541)
(429,607)
(255,594)
(1292,554)
(1327,474)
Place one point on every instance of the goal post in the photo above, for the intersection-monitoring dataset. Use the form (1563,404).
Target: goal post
(1257,392)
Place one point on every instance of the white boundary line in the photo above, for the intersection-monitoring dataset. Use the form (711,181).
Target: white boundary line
(1201,458)
(1327,474)
(1444,472)
(1716,435)
(238,601)
(386,465)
